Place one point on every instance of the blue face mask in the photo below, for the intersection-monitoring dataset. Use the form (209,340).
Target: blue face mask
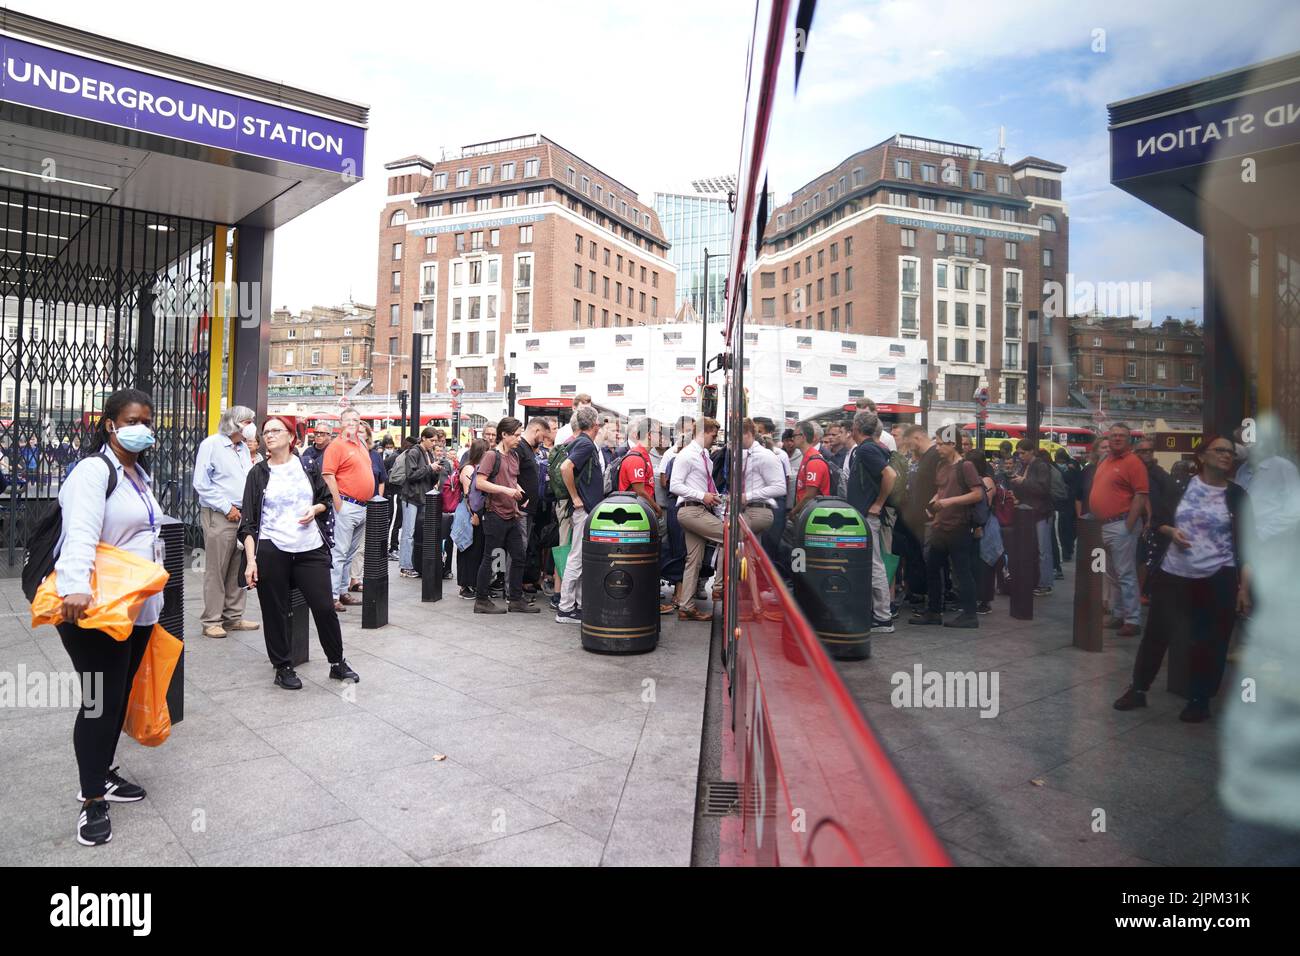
(135,438)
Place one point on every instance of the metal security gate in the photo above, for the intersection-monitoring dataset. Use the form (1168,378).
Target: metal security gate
(97,298)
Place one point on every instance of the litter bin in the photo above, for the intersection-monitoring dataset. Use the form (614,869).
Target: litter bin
(831,567)
(620,577)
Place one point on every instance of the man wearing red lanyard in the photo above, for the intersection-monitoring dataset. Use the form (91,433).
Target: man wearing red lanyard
(697,496)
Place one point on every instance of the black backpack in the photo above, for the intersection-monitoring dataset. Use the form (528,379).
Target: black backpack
(45,533)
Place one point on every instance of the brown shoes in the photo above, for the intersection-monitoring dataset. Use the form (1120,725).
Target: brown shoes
(243,626)
(214,631)
(667,608)
(1128,630)
(355,587)
(694,614)
(349,600)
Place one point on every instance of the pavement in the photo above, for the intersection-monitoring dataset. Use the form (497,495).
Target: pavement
(469,740)
(1058,777)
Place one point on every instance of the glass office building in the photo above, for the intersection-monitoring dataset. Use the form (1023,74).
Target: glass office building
(694,221)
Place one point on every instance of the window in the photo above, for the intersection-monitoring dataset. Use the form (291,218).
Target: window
(1011,391)
(577,278)
(979,352)
(397,282)
(535,197)
(577,312)
(976,179)
(1004,184)
(591,315)
(909,276)
(397,218)
(961,353)
(928,173)
(1047,258)
(456,307)
(797,267)
(315,356)
(591,250)
(961,276)
(397,252)
(835,283)
(898,199)
(1007,215)
(476,240)
(525,235)
(980,321)
(509,200)
(979,246)
(1160,345)
(1098,367)
(769,308)
(485,174)
(821,289)
(903,168)
(430,245)
(471,348)
(455,343)
(1130,344)
(507,170)
(1011,249)
(1013,323)
(1013,355)
(1046,223)
(848,315)
(959,245)
(953,207)
(491,307)
(1047,355)
(940,241)
(459,207)
(941,316)
(483,204)
(531,168)
(909,238)
(1096,341)
(394,314)
(848,278)
(909,313)
(524,272)
(439,180)
(1130,369)
(476,272)
(981,280)
(980,210)
(1189,372)
(960,317)
(848,246)
(943,350)
(577,244)
(591,281)
(462,178)
(941,275)
(523,307)
(1160,371)
(925,202)
(606,286)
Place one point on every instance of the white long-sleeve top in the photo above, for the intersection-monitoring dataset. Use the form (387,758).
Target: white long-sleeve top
(220,470)
(122,521)
(764,475)
(692,471)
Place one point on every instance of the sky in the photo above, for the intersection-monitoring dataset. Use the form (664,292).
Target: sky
(653,93)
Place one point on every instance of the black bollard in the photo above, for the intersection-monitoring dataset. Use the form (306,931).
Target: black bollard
(431,553)
(1024,564)
(299,646)
(374,576)
(172,616)
(1087,586)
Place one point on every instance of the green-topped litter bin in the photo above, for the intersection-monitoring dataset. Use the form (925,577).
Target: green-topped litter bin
(832,576)
(620,577)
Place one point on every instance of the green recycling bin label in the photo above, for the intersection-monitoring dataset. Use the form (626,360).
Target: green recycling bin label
(835,527)
(619,524)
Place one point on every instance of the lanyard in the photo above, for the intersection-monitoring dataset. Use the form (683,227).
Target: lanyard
(143,497)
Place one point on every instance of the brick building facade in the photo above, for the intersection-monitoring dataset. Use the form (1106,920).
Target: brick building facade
(1137,366)
(323,350)
(515,235)
(917,238)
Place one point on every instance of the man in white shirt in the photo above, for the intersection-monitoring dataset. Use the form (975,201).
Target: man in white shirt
(220,470)
(697,499)
(764,481)
(580,400)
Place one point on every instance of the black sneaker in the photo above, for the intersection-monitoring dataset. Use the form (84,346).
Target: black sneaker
(569,617)
(117,789)
(93,826)
(926,617)
(1131,700)
(1042,592)
(962,620)
(343,671)
(984,607)
(287,678)
(409,573)
(555,601)
(1195,712)
(468,594)
(488,606)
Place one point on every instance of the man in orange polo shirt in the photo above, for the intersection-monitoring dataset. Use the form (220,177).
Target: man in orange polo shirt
(347,470)
(1118,500)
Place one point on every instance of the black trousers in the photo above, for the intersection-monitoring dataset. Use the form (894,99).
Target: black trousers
(1065,529)
(308,571)
(467,561)
(1056,544)
(106,668)
(959,548)
(1203,609)
(395,536)
(502,537)
(911,556)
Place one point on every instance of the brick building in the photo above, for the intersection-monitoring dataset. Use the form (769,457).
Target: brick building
(1139,367)
(918,238)
(514,235)
(324,350)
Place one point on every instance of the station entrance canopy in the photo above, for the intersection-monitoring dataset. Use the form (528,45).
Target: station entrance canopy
(126,176)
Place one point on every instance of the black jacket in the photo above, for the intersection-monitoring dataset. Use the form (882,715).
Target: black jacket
(421,477)
(250,522)
(528,478)
(1164,510)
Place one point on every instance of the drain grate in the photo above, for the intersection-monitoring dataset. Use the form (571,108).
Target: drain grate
(721,798)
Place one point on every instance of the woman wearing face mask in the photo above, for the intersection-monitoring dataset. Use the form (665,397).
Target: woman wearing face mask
(287,536)
(129,519)
(1200,583)
(220,470)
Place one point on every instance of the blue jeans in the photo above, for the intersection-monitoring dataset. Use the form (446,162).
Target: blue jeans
(1121,568)
(410,515)
(349,534)
(1046,575)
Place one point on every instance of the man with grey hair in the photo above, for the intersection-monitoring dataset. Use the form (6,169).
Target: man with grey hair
(583,473)
(220,471)
(869,480)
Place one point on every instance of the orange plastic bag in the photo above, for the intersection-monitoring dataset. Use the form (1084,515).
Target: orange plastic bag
(119,586)
(147,717)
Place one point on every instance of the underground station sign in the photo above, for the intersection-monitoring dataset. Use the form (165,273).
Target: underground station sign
(72,85)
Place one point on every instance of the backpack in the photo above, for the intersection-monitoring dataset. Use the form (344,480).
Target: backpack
(397,470)
(478,499)
(981,511)
(40,558)
(836,487)
(1060,493)
(559,455)
(898,494)
(616,466)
